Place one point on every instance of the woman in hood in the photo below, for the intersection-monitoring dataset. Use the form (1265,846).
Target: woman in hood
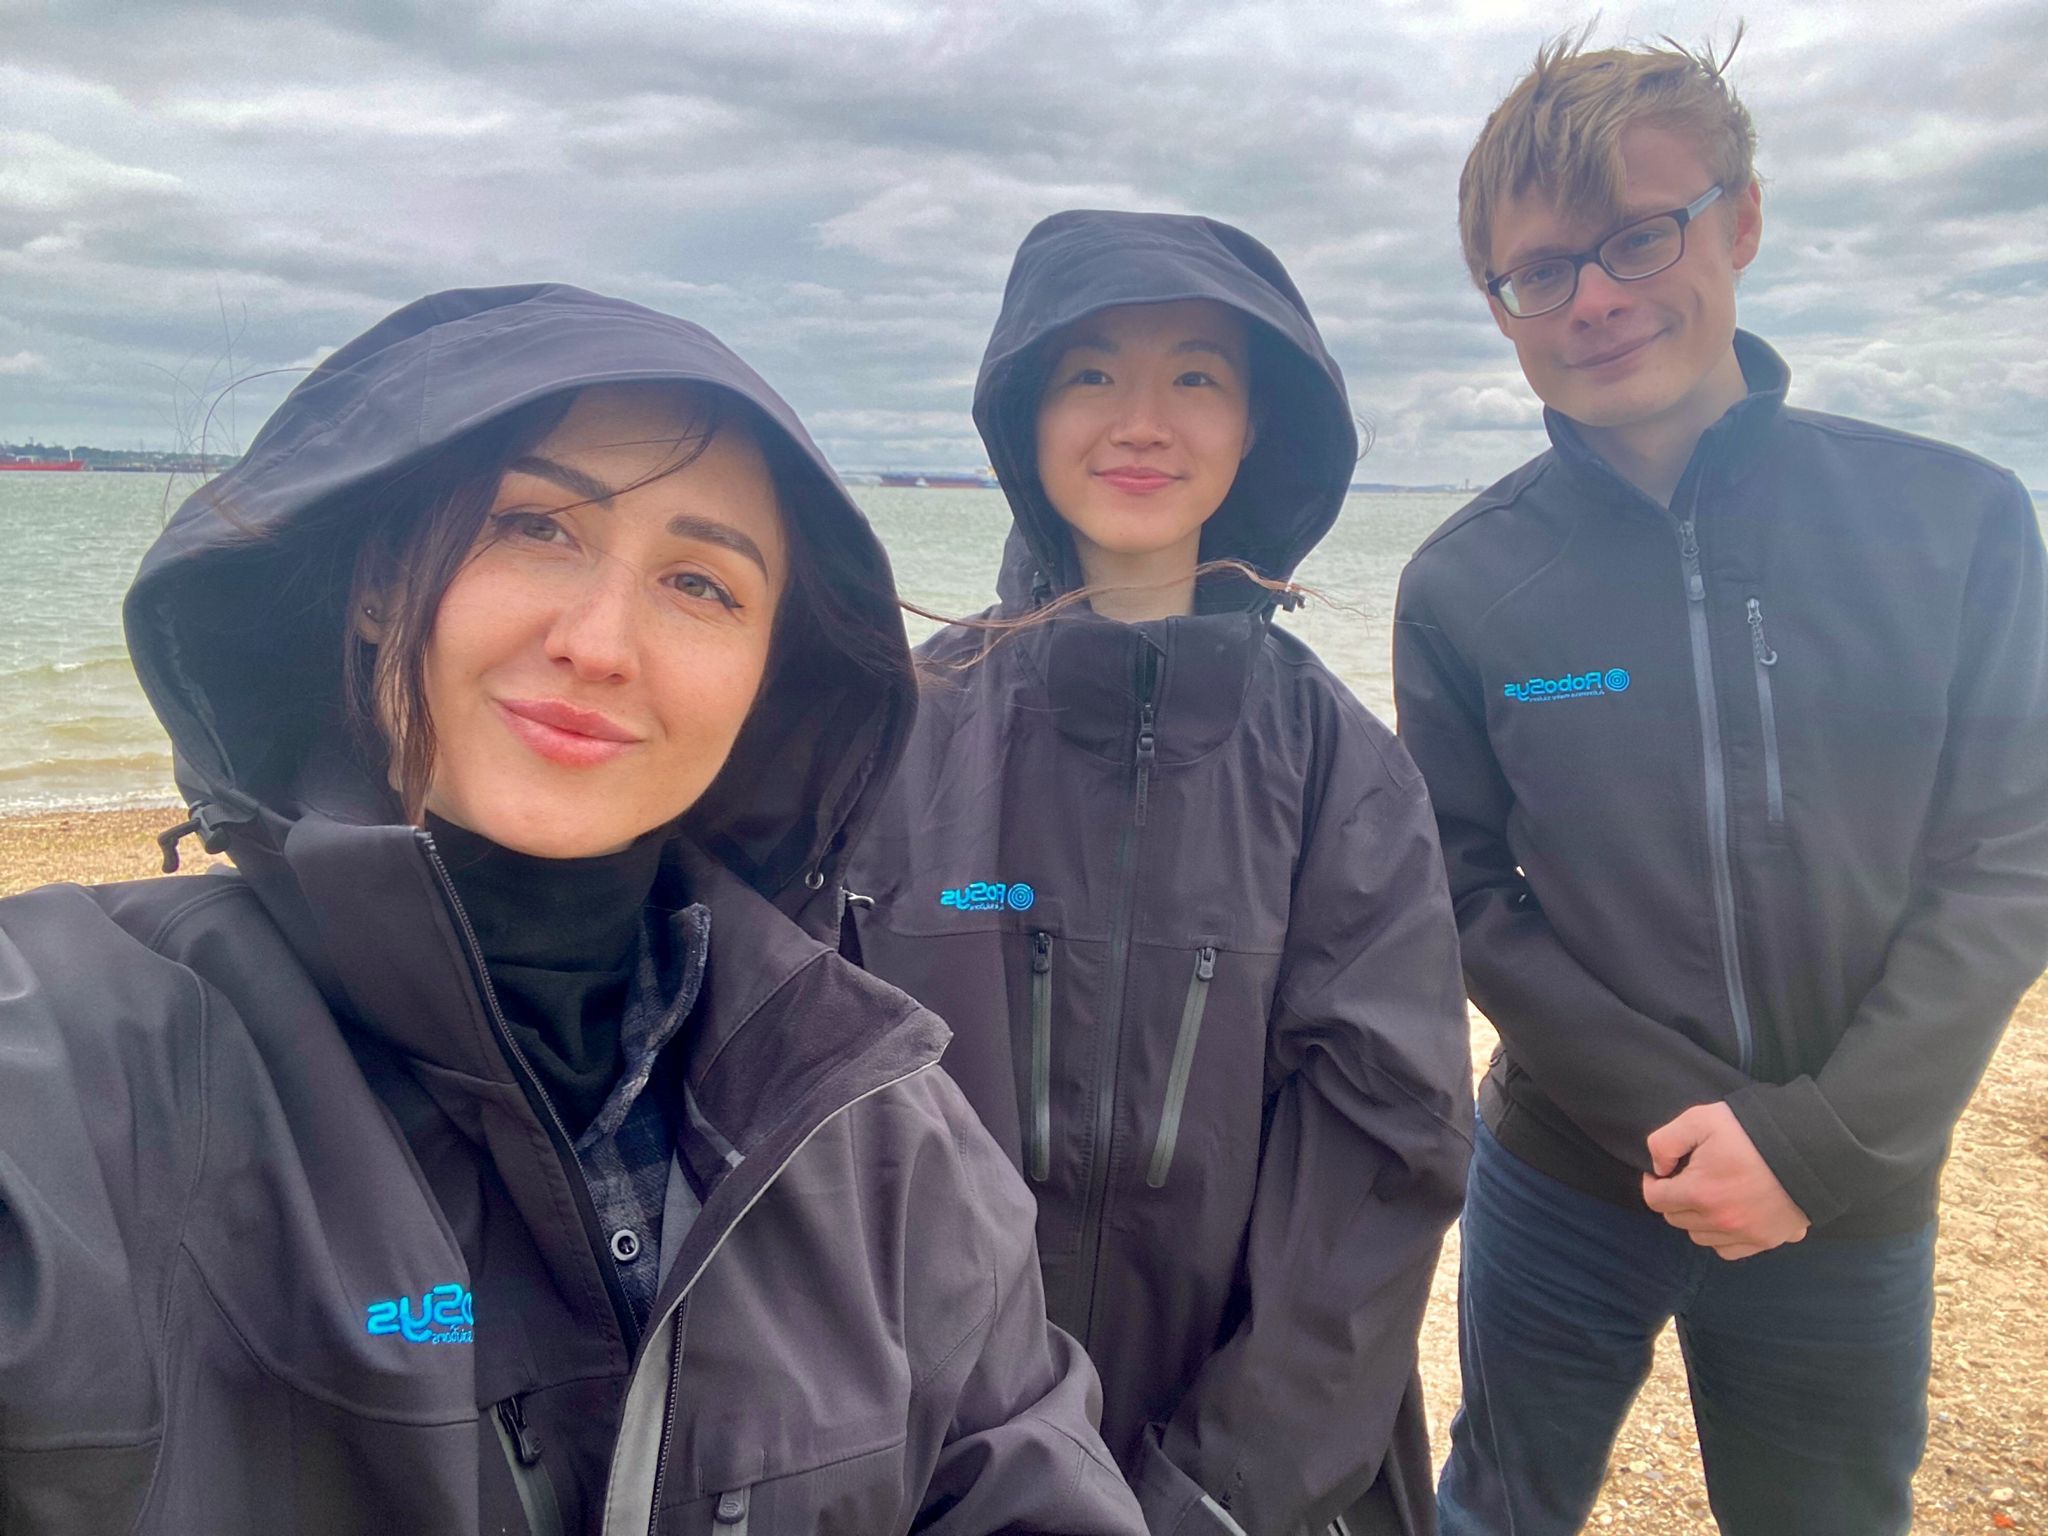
(495,1149)
(1179,895)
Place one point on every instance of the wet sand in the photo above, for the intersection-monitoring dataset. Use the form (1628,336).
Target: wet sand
(1989,1400)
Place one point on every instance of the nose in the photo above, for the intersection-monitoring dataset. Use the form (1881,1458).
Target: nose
(595,631)
(1141,420)
(1600,297)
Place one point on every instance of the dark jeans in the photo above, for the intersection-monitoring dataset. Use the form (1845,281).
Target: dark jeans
(1808,1364)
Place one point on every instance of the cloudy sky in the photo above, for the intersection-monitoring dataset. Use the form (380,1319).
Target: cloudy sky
(190,194)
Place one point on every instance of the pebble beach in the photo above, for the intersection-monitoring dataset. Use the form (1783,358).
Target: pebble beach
(1987,1455)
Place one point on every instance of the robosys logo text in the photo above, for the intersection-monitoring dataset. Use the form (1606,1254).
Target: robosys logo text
(989,896)
(444,1315)
(1573,685)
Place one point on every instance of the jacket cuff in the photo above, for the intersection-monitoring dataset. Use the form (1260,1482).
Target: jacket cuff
(1798,1134)
(1175,1504)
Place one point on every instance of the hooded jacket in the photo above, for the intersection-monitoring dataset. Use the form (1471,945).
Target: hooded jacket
(1745,799)
(291,1238)
(1175,890)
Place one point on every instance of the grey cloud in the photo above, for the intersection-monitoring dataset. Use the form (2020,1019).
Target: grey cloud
(837,188)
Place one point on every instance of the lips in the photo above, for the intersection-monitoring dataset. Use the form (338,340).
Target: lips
(564,733)
(1134,480)
(1615,352)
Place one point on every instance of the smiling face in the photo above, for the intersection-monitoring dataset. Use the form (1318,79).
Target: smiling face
(1145,418)
(593,660)
(1651,356)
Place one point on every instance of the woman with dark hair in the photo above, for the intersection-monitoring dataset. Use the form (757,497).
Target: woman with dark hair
(1179,895)
(498,1148)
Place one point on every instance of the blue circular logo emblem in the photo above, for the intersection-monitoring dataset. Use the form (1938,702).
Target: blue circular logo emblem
(1021,897)
(1617,680)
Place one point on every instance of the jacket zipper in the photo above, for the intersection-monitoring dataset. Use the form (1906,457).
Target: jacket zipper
(1144,749)
(1183,1063)
(1766,658)
(522,1453)
(551,1119)
(1717,787)
(729,1516)
(615,1522)
(1041,1057)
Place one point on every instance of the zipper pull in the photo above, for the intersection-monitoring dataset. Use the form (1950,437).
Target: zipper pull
(524,1442)
(1689,551)
(1205,963)
(1765,656)
(1148,741)
(1041,952)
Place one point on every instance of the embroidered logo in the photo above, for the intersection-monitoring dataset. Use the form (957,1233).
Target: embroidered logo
(1573,685)
(444,1315)
(989,896)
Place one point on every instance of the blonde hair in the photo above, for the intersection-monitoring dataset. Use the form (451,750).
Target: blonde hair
(1559,131)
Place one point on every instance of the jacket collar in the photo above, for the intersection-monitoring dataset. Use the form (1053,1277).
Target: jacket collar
(1727,448)
(1092,670)
(381,931)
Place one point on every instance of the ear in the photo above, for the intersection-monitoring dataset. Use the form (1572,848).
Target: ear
(370,618)
(1749,225)
(1251,436)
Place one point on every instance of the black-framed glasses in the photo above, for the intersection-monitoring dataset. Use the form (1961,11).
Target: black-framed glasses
(1635,251)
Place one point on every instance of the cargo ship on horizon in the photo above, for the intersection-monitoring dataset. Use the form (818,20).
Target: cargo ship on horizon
(60,466)
(940,479)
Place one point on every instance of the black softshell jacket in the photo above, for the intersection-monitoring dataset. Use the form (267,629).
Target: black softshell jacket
(1179,896)
(290,1239)
(1743,800)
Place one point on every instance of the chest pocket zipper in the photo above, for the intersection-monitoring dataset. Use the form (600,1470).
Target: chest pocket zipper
(522,1453)
(1766,658)
(1041,1057)
(729,1514)
(1183,1064)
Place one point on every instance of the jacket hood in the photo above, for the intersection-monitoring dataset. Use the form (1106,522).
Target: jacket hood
(1294,480)
(236,619)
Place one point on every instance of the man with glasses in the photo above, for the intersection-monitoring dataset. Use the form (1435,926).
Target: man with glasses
(1736,721)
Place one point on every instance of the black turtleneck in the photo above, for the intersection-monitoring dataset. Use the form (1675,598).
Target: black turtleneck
(561,938)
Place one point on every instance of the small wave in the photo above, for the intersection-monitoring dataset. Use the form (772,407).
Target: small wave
(65,799)
(43,671)
(113,768)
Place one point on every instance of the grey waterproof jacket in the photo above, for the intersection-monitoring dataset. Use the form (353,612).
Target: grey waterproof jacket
(1179,895)
(291,1239)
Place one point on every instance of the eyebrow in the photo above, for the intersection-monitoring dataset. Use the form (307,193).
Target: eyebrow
(1092,342)
(1548,249)
(684,525)
(707,530)
(589,487)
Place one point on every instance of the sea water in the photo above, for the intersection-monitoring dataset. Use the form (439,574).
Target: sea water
(75,729)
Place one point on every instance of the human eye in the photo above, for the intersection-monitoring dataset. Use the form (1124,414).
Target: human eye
(1197,378)
(524,525)
(1540,274)
(1087,374)
(702,588)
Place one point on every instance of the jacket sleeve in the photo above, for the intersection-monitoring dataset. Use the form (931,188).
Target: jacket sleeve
(1363,1167)
(1021,1453)
(1618,1073)
(1975,933)
(99,1117)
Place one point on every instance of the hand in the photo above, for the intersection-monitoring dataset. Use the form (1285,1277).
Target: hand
(1713,1183)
